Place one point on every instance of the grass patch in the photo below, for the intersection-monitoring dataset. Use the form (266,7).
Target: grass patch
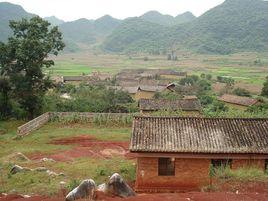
(75,171)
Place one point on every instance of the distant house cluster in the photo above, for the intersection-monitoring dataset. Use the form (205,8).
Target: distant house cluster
(93,77)
(145,83)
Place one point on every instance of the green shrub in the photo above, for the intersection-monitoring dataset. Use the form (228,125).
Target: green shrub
(241,92)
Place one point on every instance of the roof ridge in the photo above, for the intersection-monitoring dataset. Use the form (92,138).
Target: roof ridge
(192,117)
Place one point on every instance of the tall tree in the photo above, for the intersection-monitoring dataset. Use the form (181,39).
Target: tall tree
(24,57)
(5,105)
(264,91)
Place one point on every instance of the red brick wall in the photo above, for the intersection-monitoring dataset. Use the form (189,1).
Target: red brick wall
(190,174)
(248,163)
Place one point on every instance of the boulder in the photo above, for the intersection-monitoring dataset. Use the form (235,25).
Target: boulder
(117,186)
(54,174)
(47,160)
(40,169)
(16,169)
(85,190)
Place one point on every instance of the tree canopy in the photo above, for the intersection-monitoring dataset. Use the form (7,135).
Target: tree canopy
(24,57)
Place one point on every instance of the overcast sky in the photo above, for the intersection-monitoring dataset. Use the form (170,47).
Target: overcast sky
(74,9)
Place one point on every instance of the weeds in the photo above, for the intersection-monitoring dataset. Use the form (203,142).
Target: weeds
(73,184)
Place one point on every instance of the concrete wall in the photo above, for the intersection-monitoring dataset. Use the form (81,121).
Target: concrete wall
(33,124)
(190,174)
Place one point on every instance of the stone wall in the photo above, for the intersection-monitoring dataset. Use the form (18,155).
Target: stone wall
(33,124)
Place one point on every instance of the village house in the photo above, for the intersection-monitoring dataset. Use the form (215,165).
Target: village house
(238,102)
(171,74)
(132,91)
(148,92)
(74,79)
(188,106)
(177,153)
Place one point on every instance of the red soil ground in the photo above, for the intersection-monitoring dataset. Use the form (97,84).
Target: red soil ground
(194,196)
(86,146)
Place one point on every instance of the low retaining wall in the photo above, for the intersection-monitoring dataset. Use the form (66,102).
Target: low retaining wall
(33,124)
(44,118)
(88,115)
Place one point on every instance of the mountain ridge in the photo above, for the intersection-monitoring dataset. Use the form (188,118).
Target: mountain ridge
(234,25)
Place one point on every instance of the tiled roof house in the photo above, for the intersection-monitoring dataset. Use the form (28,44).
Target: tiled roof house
(176,153)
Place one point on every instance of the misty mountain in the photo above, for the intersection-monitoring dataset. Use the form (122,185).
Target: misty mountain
(89,32)
(233,26)
(9,12)
(54,20)
(167,20)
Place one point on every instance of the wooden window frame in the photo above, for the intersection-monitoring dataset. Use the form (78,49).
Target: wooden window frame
(166,166)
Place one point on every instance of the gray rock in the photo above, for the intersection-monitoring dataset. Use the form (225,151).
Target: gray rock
(47,160)
(117,186)
(40,169)
(16,169)
(85,190)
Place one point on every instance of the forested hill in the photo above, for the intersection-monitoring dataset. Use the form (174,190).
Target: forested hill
(167,20)
(136,34)
(235,25)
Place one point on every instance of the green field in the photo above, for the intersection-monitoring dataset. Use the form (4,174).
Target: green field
(75,170)
(68,68)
